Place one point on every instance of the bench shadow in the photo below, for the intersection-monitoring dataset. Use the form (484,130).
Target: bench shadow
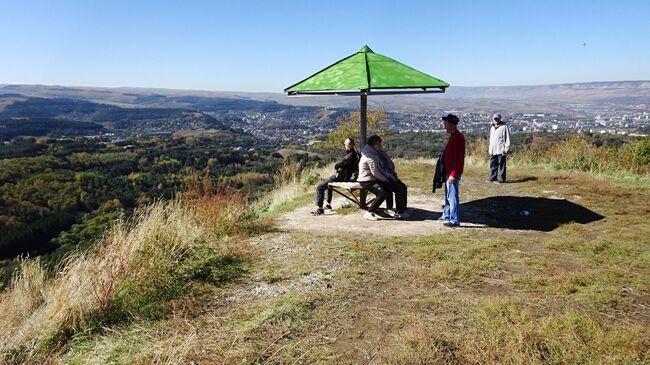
(525,213)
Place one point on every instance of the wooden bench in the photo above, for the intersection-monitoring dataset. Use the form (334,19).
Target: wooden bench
(349,191)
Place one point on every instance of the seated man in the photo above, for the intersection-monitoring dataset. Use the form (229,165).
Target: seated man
(373,178)
(346,170)
(396,185)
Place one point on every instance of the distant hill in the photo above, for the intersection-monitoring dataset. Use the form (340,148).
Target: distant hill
(47,127)
(627,92)
(38,116)
(558,98)
(142,113)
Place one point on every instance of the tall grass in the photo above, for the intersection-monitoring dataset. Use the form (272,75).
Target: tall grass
(574,153)
(292,181)
(137,270)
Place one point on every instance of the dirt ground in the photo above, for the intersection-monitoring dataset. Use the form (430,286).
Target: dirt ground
(339,289)
(424,209)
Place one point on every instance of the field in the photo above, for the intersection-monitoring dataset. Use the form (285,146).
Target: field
(564,283)
(499,291)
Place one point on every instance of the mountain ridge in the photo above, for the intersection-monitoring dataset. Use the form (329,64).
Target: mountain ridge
(569,98)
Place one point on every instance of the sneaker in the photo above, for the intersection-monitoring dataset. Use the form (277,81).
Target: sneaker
(443,219)
(391,213)
(328,206)
(370,216)
(319,211)
(497,182)
(490,181)
(449,224)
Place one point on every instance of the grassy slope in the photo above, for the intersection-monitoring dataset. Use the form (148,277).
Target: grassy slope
(576,294)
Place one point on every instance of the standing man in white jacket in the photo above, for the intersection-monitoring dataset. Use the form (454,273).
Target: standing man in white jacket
(499,149)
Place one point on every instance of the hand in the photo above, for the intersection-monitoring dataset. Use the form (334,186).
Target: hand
(451,179)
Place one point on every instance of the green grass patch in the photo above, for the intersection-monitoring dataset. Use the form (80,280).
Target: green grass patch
(289,311)
(287,206)
(347,209)
(149,298)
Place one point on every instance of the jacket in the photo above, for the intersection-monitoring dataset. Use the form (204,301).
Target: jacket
(387,166)
(369,166)
(454,155)
(348,168)
(499,139)
(439,174)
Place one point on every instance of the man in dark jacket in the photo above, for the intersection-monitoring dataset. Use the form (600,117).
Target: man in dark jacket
(346,170)
(453,163)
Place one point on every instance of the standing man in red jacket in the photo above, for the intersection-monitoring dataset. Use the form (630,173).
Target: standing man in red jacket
(453,163)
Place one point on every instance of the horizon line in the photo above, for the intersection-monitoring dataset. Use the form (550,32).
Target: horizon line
(3,84)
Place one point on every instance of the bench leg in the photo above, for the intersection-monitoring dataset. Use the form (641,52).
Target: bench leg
(353,199)
(362,199)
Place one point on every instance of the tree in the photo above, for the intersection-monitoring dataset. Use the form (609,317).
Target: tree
(349,127)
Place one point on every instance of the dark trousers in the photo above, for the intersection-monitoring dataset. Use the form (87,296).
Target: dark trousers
(498,162)
(320,191)
(380,189)
(400,190)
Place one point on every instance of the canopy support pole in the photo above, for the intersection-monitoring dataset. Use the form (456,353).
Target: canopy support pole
(363,119)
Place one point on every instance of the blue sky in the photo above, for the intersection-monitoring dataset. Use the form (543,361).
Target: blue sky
(268,45)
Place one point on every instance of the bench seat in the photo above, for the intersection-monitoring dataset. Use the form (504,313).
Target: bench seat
(349,189)
(350,185)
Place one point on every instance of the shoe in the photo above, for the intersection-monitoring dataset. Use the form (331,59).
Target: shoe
(490,181)
(443,219)
(497,182)
(370,216)
(319,211)
(391,213)
(449,224)
(328,206)
(502,182)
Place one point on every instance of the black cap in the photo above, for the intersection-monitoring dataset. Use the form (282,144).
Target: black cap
(451,119)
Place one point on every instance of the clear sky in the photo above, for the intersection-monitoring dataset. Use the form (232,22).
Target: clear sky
(268,45)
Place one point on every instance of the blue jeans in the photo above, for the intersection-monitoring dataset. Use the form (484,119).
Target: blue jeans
(322,188)
(452,202)
(498,162)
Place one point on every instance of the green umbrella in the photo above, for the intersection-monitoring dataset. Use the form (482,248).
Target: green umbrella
(367,73)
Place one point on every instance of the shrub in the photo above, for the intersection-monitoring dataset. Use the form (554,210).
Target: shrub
(349,127)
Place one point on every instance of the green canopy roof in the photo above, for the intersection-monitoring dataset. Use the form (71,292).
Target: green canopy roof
(366,72)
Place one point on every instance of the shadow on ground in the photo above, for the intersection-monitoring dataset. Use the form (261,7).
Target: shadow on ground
(525,213)
(521,180)
(416,214)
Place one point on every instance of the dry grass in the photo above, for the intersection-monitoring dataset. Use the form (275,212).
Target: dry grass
(294,185)
(28,293)
(510,332)
(86,285)
(139,344)
(134,272)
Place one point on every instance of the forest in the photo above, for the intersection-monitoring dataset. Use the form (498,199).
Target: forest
(58,193)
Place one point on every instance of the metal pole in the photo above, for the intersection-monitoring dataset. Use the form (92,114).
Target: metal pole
(364,120)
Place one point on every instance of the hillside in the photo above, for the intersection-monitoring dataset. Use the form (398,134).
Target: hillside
(565,283)
(66,114)
(552,98)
